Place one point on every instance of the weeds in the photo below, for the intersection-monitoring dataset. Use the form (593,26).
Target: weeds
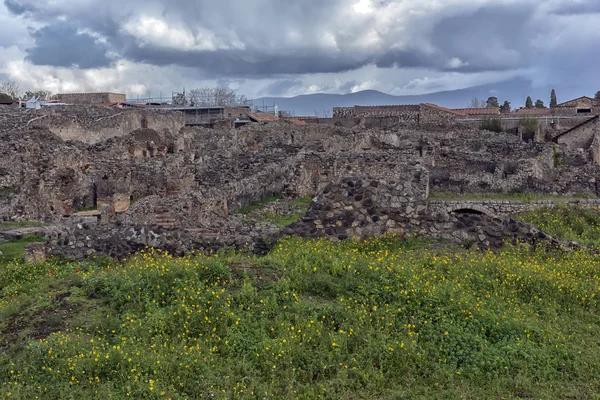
(375,319)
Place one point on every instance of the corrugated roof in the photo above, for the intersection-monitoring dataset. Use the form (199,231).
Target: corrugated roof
(263,117)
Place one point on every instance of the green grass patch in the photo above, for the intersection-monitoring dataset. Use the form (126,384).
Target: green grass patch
(578,224)
(19,224)
(312,319)
(14,249)
(520,196)
(258,205)
(302,202)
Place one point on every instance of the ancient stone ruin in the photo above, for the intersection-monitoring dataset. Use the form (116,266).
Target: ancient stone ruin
(113,181)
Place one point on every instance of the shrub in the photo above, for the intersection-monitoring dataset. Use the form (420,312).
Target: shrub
(492,124)
(529,124)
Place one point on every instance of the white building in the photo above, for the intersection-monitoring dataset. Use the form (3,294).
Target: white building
(33,103)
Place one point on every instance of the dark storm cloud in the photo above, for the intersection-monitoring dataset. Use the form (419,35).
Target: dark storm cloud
(239,62)
(63,46)
(492,38)
(265,38)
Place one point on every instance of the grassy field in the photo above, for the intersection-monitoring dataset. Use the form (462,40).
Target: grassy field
(19,224)
(13,249)
(313,319)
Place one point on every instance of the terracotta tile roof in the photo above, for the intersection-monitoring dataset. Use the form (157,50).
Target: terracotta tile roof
(479,111)
(533,111)
(297,122)
(263,117)
(566,103)
(444,109)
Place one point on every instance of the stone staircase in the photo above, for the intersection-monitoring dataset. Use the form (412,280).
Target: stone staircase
(164,218)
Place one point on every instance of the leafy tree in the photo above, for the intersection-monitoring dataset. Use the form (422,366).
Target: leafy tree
(553,101)
(529,102)
(492,102)
(597,96)
(492,124)
(539,104)
(505,109)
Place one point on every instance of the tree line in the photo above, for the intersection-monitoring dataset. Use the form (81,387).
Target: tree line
(492,102)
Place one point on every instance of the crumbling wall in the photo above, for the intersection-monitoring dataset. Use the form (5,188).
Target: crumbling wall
(580,137)
(404,113)
(87,127)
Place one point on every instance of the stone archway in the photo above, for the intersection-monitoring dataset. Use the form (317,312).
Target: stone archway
(470,209)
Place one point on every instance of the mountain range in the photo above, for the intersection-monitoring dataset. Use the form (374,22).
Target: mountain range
(514,90)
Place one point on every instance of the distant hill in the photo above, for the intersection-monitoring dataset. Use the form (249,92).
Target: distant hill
(514,90)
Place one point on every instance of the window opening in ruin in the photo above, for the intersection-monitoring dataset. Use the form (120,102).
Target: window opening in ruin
(584,111)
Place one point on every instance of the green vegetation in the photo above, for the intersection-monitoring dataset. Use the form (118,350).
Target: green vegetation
(258,205)
(313,319)
(520,196)
(302,202)
(254,212)
(492,124)
(19,224)
(300,206)
(13,249)
(529,124)
(570,223)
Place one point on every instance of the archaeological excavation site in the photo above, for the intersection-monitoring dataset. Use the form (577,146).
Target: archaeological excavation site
(106,180)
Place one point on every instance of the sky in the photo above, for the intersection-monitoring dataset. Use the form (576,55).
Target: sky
(292,47)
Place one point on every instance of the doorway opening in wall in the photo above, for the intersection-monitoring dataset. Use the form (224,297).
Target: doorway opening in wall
(584,111)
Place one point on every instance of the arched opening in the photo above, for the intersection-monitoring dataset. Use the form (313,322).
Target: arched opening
(468,211)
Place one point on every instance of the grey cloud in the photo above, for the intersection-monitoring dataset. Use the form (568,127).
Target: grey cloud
(281,87)
(63,46)
(578,8)
(491,38)
(18,7)
(279,39)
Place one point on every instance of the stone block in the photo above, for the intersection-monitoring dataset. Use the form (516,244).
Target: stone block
(35,252)
(107,213)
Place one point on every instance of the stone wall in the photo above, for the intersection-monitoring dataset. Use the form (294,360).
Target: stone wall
(407,113)
(503,208)
(581,137)
(85,125)
(365,208)
(426,115)
(91,98)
